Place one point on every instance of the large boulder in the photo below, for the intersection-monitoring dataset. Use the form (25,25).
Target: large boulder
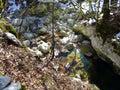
(12,39)
(4,81)
(106,50)
(13,86)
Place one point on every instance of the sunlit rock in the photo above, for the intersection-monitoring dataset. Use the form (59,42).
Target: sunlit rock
(65,40)
(26,42)
(44,47)
(12,38)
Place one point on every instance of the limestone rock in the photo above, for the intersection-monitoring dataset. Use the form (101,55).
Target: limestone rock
(44,47)
(42,31)
(69,46)
(39,53)
(4,81)
(75,38)
(29,35)
(11,37)
(86,42)
(26,42)
(65,40)
(13,86)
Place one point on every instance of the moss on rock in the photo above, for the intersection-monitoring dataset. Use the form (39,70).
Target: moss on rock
(6,27)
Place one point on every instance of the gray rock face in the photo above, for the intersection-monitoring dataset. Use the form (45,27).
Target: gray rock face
(4,81)
(11,37)
(105,51)
(13,86)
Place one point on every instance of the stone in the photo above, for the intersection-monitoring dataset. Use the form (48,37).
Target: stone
(39,53)
(25,23)
(42,30)
(56,67)
(29,35)
(4,81)
(62,33)
(11,37)
(65,40)
(17,22)
(89,54)
(26,42)
(13,86)
(69,46)
(86,42)
(75,38)
(1,32)
(44,47)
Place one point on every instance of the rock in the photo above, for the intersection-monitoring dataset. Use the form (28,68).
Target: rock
(10,37)
(57,51)
(118,36)
(70,22)
(42,31)
(17,22)
(65,40)
(31,19)
(91,21)
(105,51)
(62,33)
(1,32)
(56,67)
(13,86)
(75,38)
(86,42)
(69,46)
(29,35)
(89,54)
(25,23)
(44,47)
(4,81)
(26,42)
(39,53)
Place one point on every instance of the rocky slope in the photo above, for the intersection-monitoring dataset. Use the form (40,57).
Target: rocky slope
(27,66)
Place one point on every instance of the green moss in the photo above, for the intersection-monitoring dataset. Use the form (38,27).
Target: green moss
(25,47)
(83,74)
(6,27)
(1,4)
(23,87)
(1,74)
